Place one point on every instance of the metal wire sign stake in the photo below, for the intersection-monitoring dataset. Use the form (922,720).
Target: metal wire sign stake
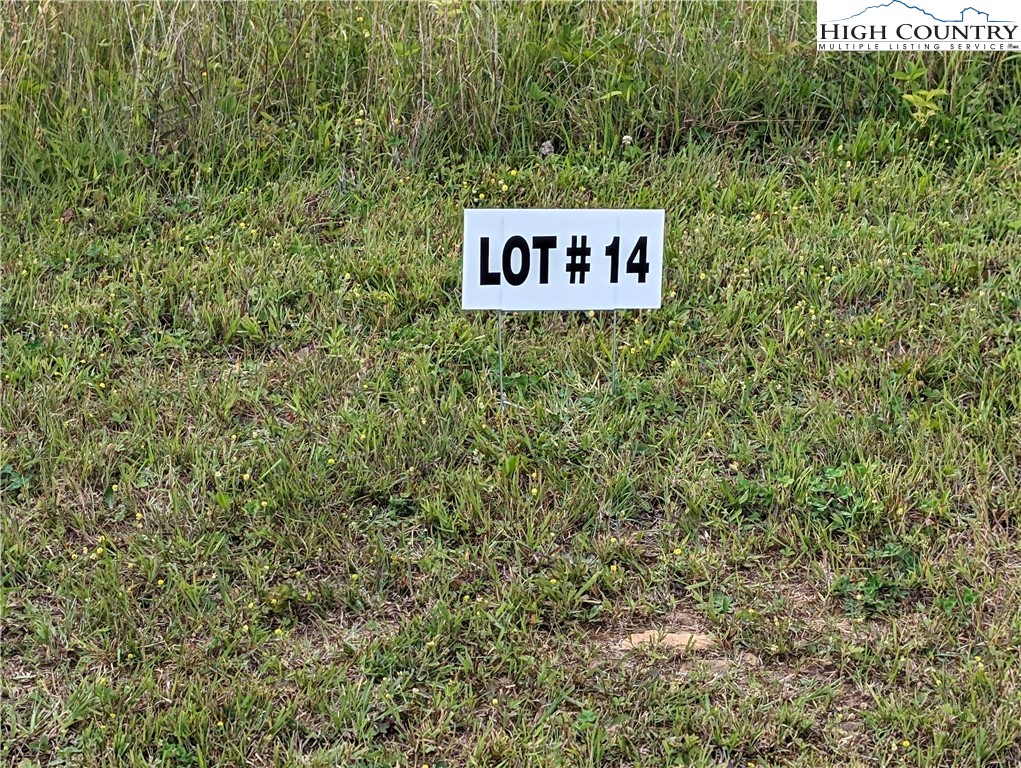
(499,354)
(531,259)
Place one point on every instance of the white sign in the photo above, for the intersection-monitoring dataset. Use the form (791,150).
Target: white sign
(918,25)
(520,259)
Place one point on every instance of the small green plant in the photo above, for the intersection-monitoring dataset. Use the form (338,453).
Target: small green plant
(838,504)
(957,606)
(891,574)
(747,499)
(911,74)
(11,479)
(924,102)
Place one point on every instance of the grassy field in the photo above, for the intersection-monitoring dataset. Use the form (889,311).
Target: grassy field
(261,506)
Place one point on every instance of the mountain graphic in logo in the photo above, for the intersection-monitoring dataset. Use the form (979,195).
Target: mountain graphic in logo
(968,15)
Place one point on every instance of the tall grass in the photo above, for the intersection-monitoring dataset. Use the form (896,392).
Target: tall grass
(178,90)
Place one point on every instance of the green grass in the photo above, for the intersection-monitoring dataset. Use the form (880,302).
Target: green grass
(261,507)
(98,94)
